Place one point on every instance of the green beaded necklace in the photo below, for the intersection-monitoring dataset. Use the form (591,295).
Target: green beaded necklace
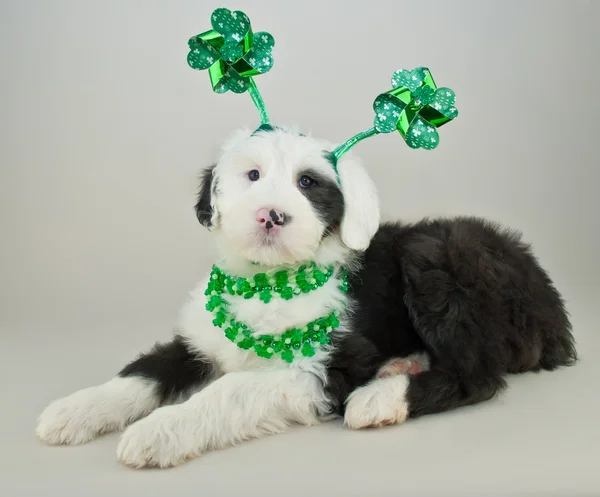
(293,342)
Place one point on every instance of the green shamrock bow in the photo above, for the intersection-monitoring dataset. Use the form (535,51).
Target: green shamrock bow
(232,53)
(415,107)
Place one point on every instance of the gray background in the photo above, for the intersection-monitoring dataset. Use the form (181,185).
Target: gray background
(104,129)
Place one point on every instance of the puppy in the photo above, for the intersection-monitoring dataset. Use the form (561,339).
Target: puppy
(432,316)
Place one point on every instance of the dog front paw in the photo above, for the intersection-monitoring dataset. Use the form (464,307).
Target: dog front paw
(164,439)
(72,420)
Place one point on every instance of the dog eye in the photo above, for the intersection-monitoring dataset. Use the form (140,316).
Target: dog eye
(306,182)
(253,175)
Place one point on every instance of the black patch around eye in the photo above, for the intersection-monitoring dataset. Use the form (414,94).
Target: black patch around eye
(326,199)
(203,208)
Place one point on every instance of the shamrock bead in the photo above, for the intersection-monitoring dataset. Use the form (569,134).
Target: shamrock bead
(287,293)
(231,333)
(287,356)
(261,280)
(246,343)
(308,350)
(266,296)
(262,351)
(219,321)
(281,278)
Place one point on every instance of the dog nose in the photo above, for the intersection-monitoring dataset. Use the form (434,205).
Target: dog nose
(269,218)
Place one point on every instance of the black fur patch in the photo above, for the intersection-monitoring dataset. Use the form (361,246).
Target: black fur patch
(466,291)
(326,198)
(208,186)
(172,366)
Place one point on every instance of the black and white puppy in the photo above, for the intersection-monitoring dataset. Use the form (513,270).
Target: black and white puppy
(437,314)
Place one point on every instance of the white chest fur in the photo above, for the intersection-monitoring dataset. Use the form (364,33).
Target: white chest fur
(274,318)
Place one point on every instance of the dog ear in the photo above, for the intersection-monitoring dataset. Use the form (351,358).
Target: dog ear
(206,210)
(361,213)
(206,206)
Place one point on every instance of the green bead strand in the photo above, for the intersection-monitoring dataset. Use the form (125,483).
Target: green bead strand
(293,342)
(284,283)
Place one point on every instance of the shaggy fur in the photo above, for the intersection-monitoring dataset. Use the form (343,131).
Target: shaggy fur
(438,313)
(465,291)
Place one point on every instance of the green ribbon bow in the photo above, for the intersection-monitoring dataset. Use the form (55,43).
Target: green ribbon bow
(415,107)
(232,53)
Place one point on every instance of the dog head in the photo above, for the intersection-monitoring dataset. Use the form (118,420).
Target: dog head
(274,197)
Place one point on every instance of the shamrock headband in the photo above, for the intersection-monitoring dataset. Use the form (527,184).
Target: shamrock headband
(233,54)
